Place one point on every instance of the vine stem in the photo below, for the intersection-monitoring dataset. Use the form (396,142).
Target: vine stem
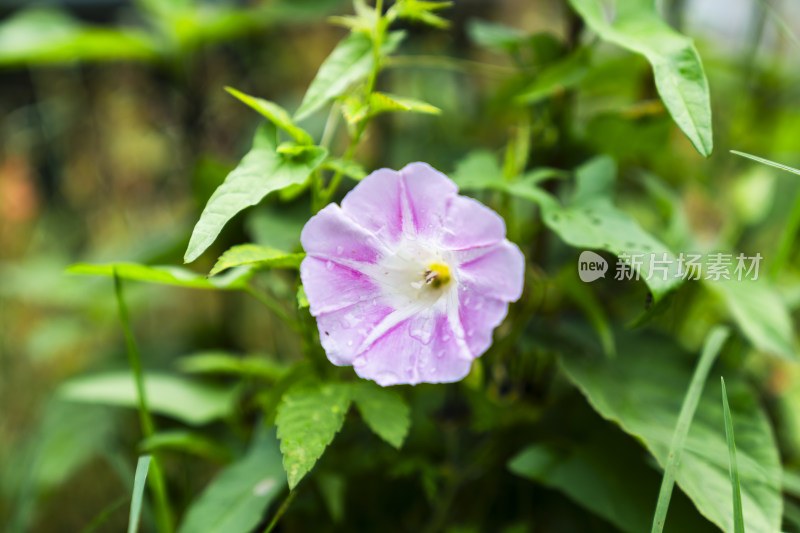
(378,34)
(156,479)
(281,510)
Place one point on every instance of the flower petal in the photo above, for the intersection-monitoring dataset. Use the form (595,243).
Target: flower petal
(375,204)
(479,316)
(497,271)
(332,235)
(401,357)
(427,192)
(470,224)
(330,286)
(342,332)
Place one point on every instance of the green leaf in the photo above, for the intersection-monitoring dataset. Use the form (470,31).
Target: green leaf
(711,348)
(384,410)
(142,467)
(758,310)
(256,256)
(180,398)
(237,498)
(495,36)
(605,472)
(350,62)
(224,363)
(558,77)
(308,418)
(677,68)
(655,374)
(479,170)
(302,299)
(187,442)
(44,36)
(348,167)
(385,103)
(419,11)
(738,517)
(260,172)
(591,221)
(166,275)
(275,114)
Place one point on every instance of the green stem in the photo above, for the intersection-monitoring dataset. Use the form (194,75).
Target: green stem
(156,479)
(378,34)
(275,307)
(281,510)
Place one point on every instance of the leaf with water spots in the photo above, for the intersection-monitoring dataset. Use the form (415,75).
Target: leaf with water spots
(308,418)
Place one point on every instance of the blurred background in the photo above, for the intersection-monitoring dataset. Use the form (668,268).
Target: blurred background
(115,129)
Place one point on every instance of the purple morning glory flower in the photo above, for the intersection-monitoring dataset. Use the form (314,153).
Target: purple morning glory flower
(407,279)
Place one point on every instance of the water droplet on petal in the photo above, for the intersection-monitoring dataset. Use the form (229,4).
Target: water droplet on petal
(445,337)
(422,330)
(441,353)
(386,378)
(350,343)
(339,250)
(329,265)
(470,332)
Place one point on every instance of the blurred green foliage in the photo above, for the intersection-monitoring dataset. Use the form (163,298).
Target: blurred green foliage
(586,130)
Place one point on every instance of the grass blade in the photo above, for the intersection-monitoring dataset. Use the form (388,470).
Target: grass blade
(142,467)
(716,338)
(738,516)
(766,162)
(163,511)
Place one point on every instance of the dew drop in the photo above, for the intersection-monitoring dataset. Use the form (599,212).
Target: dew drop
(386,378)
(422,331)
(470,332)
(466,300)
(350,343)
(339,250)
(441,353)
(329,265)
(445,337)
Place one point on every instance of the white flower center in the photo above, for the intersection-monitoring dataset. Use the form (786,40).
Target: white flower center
(416,275)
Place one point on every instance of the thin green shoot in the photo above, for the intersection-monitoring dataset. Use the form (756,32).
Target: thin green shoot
(157,483)
(766,162)
(738,515)
(713,344)
(142,467)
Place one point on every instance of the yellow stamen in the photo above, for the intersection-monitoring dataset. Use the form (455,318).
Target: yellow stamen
(437,275)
